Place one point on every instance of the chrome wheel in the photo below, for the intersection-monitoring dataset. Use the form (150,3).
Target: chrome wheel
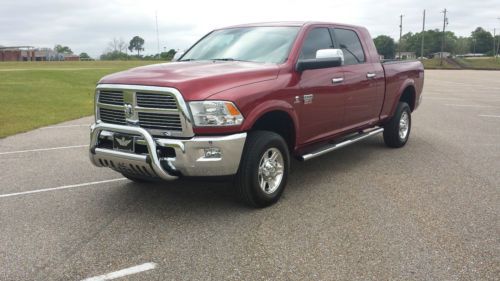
(271,168)
(404,125)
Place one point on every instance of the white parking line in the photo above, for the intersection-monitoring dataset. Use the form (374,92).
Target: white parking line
(58,188)
(493,116)
(65,126)
(472,105)
(124,272)
(43,149)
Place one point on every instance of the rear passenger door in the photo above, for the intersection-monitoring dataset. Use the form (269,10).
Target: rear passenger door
(363,98)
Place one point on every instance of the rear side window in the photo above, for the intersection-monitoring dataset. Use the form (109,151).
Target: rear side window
(317,39)
(349,42)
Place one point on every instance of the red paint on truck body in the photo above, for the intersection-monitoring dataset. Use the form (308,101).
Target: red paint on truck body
(258,88)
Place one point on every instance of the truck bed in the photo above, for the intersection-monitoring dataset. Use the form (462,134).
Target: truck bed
(400,74)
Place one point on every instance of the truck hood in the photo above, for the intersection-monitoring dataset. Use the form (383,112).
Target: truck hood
(196,80)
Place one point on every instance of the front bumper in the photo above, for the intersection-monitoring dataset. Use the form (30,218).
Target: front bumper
(189,159)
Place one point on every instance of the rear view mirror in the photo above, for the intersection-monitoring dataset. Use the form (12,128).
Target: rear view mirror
(325,58)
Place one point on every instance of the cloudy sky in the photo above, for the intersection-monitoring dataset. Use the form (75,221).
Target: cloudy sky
(88,26)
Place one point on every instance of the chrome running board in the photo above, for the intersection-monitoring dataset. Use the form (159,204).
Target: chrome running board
(332,147)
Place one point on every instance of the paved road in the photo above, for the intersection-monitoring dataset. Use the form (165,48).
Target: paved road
(429,211)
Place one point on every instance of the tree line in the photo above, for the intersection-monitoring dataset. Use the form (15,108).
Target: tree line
(118,50)
(480,42)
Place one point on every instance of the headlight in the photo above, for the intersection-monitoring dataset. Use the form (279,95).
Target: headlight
(215,113)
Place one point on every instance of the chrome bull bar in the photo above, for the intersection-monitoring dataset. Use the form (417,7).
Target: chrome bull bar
(135,160)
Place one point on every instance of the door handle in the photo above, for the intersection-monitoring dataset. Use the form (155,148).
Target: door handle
(337,80)
(370,75)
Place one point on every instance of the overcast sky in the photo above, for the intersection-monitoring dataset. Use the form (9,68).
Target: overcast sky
(87,26)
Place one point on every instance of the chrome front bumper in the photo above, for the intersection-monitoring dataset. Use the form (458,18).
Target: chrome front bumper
(190,154)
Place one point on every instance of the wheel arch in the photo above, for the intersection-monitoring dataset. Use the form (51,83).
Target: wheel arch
(276,116)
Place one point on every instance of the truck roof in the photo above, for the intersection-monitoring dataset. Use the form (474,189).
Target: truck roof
(289,23)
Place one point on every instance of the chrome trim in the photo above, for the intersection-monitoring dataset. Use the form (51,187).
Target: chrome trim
(337,80)
(129,97)
(189,157)
(332,147)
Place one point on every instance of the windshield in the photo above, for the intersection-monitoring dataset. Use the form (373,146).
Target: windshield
(255,44)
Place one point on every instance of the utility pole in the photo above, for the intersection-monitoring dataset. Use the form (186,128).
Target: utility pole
(494,42)
(400,34)
(157,35)
(498,45)
(443,43)
(423,38)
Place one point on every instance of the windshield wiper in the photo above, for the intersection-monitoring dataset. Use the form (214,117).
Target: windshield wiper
(225,59)
(187,60)
(229,59)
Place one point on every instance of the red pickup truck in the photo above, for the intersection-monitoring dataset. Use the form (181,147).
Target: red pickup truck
(245,99)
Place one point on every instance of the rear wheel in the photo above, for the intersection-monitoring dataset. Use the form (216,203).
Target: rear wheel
(397,130)
(263,170)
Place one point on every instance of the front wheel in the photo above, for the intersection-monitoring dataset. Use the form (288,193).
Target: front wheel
(263,170)
(397,130)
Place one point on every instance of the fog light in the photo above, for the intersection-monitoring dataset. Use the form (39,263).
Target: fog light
(212,152)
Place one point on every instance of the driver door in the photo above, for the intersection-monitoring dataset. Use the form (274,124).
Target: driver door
(321,104)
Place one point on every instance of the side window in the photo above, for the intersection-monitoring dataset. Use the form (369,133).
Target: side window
(317,39)
(349,42)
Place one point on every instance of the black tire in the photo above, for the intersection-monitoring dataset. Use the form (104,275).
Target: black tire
(392,137)
(138,179)
(247,179)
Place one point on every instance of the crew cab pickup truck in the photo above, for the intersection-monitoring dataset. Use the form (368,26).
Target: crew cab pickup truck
(244,100)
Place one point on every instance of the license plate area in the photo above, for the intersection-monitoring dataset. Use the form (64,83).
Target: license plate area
(123,142)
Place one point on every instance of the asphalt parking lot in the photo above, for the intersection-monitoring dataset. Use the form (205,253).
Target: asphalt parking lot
(428,211)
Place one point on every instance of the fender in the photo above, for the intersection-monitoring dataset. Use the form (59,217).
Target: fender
(407,83)
(268,106)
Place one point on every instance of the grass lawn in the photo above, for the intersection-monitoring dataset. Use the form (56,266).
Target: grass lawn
(36,94)
(482,63)
(436,64)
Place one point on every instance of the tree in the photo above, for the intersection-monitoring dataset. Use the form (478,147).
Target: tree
(116,45)
(62,49)
(84,56)
(168,55)
(137,44)
(483,40)
(385,46)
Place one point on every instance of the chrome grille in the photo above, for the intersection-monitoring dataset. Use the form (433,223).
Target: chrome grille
(112,116)
(111,97)
(160,121)
(160,110)
(155,100)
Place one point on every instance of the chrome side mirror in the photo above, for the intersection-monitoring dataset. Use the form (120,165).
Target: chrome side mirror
(325,58)
(330,54)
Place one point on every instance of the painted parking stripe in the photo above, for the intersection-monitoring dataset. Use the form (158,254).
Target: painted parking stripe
(43,149)
(59,188)
(492,116)
(65,126)
(473,105)
(124,272)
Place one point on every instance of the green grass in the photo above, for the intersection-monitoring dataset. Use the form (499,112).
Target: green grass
(468,63)
(436,64)
(36,94)
(482,63)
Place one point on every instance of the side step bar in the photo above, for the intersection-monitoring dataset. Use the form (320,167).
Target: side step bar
(332,147)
